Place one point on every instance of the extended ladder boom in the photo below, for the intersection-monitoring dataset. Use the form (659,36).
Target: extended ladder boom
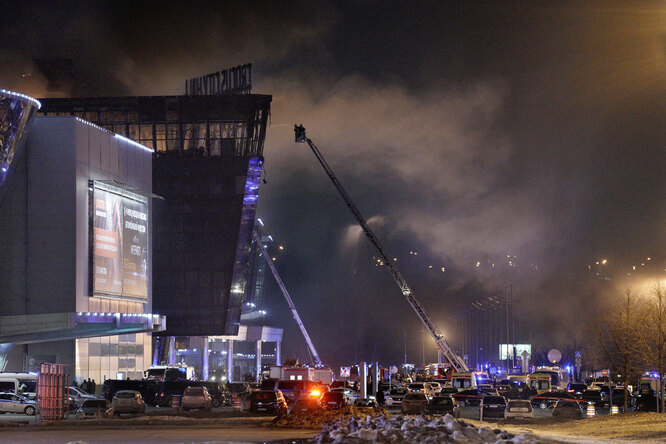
(456,361)
(311,346)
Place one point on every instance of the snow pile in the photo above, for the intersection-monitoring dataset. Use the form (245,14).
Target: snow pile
(421,429)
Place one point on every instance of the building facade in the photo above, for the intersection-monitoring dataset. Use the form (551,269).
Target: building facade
(76,267)
(207,168)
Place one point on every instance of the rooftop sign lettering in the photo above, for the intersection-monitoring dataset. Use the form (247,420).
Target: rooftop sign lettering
(236,80)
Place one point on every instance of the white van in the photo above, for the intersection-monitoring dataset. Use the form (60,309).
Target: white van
(559,377)
(21,383)
(463,381)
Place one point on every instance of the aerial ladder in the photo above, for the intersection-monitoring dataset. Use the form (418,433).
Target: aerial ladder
(449,354)
(313,352)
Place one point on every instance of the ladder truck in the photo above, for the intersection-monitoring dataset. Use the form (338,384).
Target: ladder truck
(450,355)
(313,352)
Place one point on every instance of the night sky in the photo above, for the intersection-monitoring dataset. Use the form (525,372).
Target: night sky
(500,143)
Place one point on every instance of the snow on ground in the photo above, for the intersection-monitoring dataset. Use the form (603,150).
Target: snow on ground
(417,429)
(631,427)
(627,428)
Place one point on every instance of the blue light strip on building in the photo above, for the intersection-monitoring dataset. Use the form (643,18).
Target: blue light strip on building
(248,212)
(116,135)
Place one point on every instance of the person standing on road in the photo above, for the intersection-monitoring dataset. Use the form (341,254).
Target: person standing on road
(297,392)
(379,396)
(93,387)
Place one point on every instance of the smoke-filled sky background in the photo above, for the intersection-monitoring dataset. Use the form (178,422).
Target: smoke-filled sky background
(490,144)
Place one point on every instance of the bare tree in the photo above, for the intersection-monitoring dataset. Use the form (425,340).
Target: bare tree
(653,335)
(619,330)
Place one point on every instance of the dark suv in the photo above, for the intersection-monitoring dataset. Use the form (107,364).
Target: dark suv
(268,401)
(334,399)
(577,388)
(494,406)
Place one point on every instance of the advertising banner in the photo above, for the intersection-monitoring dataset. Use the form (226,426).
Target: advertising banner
(107,230)
(120,245)
(135,248)
(506,350)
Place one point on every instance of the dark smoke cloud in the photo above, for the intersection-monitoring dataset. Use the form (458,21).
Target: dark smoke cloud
(525,138)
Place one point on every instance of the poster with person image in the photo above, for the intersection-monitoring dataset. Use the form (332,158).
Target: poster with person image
(107,238)
(120,245)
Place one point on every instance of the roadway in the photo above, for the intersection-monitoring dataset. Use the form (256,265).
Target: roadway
(163,425)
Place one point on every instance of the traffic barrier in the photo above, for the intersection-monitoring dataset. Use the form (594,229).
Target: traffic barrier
(614,410)
(237,403)
(591,411)
(175,402)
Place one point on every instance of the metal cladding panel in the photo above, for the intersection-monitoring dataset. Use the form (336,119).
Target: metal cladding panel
(198,233)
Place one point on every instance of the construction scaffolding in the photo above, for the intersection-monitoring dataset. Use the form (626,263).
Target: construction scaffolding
(53,392)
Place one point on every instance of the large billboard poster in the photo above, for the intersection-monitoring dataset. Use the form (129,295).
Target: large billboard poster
(120,245)
(135,248)
(506,350)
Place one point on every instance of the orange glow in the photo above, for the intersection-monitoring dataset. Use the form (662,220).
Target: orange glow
(315,393)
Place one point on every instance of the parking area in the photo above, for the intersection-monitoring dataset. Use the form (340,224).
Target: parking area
(150,411)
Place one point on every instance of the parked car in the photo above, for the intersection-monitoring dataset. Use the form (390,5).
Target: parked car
(128,401)
(518,408)
(385,387)
(95,408)
(605,391)
(440,405)
(414,402)
(166,390)
(13,403)
(568,409)
(576,388)
(394,396)
(517,390)
(434,387)
(593,397)
(218,393)
(72,405)
(365,402)
(418,387)
(334,399)
(349,394)
(618,399)
(309,405)
(596,385)
(196,398)
(147,388)
(80,395)
(548,399)
(469,397)
(268,401)
(493,407)
(448,391)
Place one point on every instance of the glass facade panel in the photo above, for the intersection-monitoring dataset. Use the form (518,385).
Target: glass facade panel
(146,131)
(101,358)
(134,132)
